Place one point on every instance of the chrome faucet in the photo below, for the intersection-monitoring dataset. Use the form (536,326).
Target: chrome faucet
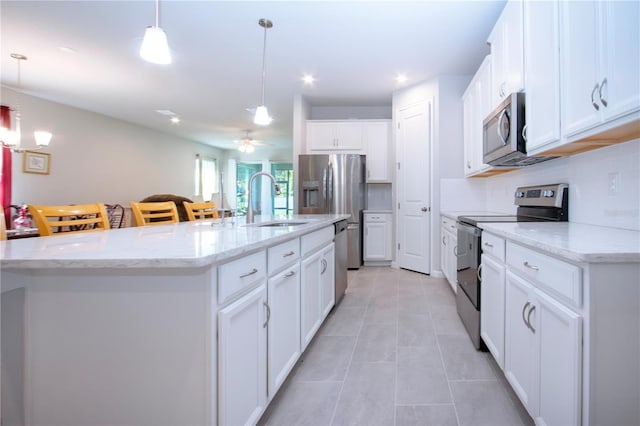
(276,188)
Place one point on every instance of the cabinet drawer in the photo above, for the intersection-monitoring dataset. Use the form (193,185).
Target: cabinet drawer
(448,224)
(493,246)
(560,279)
(375,217)
(316,239)
(283,254)
(239,275)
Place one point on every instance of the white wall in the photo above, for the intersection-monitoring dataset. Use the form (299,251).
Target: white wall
(587,174)
(95,158)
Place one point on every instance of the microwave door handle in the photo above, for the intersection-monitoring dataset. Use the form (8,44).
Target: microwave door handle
(500,135)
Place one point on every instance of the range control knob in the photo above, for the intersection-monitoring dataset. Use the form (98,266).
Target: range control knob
(519,194)
(548,193)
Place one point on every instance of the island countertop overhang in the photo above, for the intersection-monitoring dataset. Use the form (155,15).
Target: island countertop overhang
(181,245)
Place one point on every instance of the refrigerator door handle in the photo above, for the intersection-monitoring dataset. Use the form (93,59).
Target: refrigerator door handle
(329,198)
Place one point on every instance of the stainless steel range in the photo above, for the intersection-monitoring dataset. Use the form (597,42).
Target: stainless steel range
(535,204)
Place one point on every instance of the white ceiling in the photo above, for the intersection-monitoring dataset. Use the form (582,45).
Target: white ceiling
(354,49)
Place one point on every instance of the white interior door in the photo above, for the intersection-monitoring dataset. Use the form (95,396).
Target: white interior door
(413,144)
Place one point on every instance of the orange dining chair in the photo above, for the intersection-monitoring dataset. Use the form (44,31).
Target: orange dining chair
(3,228)
(52,220)
(156,213)
(199,211)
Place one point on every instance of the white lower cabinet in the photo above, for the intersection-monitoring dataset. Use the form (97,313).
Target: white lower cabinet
(242,359)
(492,307)
(284,325)
(377,237)
(449,251)
(543,353)
(327,279)
(310,290)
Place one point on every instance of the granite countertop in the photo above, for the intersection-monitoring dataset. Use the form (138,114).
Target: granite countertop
(180,245)
(573,241)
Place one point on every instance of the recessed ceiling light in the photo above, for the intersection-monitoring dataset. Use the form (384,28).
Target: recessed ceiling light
(401,78)
(175,119)
(308,79)
(66,49)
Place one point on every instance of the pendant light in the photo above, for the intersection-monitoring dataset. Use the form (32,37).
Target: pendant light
(262,115)
(11,138)
(155,48)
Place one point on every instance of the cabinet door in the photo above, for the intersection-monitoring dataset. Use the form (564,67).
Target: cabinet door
(284,325)
(444,252)
(310,293)
(328,279)
(492,307)
(375,241)
(559,335)
(378,141)
(579,64)
(498,52)
(620,57)
(520,357)
(514,45)
(542,73)
(242,359)
(470,147)
(349,136)
(321,136)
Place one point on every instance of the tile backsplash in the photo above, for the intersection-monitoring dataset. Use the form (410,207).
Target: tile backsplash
(604,185)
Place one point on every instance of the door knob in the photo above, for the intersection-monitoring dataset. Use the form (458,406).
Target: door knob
(424,209)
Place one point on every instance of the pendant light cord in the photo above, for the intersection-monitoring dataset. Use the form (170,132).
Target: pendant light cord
(157,12)
(264,54)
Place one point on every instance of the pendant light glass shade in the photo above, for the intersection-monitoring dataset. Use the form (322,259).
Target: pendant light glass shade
(155,47)
(42,137)
(262,116)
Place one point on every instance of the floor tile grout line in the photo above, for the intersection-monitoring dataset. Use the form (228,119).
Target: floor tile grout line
(453,401)
(346,374)
(395,376)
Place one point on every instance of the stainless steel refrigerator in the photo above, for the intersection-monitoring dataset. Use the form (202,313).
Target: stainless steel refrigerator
(335,183)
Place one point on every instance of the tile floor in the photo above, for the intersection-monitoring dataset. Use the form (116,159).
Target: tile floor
(394,352)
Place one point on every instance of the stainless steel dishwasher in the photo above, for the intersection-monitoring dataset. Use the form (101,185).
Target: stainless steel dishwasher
(340,241)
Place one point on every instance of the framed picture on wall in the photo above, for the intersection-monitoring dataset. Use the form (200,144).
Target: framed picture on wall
(36,162)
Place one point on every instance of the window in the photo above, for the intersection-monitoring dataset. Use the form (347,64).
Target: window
(283,203)
(206,177)
(243,173)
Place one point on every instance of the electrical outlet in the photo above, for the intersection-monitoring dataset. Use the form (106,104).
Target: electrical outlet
(613,183)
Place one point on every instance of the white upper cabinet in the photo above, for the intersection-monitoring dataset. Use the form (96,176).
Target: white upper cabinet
(600,63)
(377,135)
(476,103)
(507,45)
(542,73)
(335,136)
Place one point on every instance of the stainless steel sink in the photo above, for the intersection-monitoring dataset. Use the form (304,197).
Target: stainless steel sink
(284,223)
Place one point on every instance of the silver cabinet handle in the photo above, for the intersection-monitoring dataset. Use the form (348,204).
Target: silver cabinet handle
(443,241)
(291,253)
(253,271)
(524,132)
(502,137)
(533,308)
(593,102)
(289,274)
(603,100)
(268,310)
(488,245)
(468,164)
(530,266)
(455,251)
(479,273)
(324,266)
(524,308)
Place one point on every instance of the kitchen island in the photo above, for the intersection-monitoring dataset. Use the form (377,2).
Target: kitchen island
(165,324)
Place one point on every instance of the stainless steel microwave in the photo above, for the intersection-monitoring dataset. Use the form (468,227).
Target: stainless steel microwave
(503,135)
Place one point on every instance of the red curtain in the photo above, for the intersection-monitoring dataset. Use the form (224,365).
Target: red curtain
(5,178)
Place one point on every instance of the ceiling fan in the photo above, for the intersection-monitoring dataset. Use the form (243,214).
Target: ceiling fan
(248,144)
